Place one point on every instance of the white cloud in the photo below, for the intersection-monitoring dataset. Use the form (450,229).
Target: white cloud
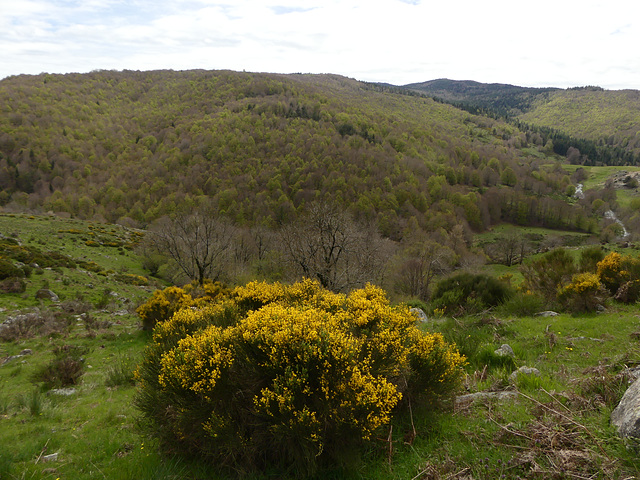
(554,43)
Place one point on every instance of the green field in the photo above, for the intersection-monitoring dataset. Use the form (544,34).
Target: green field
(597,177)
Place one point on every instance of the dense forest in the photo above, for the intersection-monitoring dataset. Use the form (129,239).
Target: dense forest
(134,146)
(601,127)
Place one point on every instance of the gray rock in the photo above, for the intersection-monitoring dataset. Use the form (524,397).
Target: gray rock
(523,371)
(418,312)
(626,416)
(548,313)
(46,294)
(50,458)
(634,373)
(64,392)
(479,396)
(505,351)
(585,338)
(26,351)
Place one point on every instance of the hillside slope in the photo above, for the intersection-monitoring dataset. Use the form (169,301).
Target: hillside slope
(508,100)
(137,145)
(595,114)
(603,125)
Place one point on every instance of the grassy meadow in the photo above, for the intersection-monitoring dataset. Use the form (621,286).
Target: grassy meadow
(555,425)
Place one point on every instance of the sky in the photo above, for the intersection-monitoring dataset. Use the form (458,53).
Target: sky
(544,43)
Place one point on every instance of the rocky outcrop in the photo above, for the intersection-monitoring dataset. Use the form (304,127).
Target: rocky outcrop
(25,352)
(626,416)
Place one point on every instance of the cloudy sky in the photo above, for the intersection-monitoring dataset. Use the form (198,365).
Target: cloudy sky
(560,43)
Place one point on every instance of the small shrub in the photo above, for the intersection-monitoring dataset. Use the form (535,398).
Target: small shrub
(65,369)
(523,304)
(583,294)
(545,274)
(488,357)
(30,324)
(121,371)
(9,270)
(91,323)
(32,401)
(13,285)
(468,293)
(91,266)
(131,279)
(76,306)
(620,274)
(298,378)
(589,258)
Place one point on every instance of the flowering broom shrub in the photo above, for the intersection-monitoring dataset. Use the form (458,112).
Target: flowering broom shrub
(287,375)
(583,293)
(620,274)
(162,305)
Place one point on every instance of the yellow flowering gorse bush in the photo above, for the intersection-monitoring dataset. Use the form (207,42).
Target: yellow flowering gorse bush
(291,375)
(584,292)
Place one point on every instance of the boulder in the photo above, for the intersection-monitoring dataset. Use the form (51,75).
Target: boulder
(547,313)
(626,416)
(418,312)
(523,371)
(46,294)
(505,351)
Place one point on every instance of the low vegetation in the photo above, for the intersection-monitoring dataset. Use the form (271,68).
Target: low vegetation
(70,404)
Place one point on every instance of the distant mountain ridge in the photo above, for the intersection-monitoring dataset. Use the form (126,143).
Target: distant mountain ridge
(504,99)
(604,123)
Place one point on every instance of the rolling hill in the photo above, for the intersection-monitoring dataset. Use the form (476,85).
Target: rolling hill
(602,124)
(133,146)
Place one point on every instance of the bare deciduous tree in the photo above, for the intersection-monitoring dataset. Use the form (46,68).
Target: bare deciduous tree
(326,244)
(509,248)
(198,243)
(422,262)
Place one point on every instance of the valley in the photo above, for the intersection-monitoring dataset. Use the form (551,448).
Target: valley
(128,196)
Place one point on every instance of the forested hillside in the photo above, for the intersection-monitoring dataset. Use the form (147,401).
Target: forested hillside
(589,125)
(503,99)
(604,116)
(133,146)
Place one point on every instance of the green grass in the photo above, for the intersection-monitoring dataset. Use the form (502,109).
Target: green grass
(546,233)
(68,237)
(597,176)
